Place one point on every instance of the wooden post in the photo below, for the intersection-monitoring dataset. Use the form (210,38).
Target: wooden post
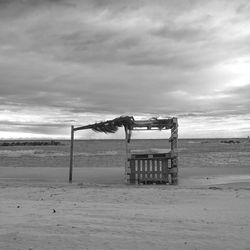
(174,157)
(71,154)
(126,160)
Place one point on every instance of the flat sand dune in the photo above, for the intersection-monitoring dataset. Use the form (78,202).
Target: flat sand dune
(209,209)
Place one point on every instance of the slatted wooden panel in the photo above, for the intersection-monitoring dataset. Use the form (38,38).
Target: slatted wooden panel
(149,170)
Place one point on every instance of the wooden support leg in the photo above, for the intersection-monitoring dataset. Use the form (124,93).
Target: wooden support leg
(174,150)
(127,163)
(71,154)
(174,171)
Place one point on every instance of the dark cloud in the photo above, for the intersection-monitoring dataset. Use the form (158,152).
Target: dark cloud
(180,34)
(32,2)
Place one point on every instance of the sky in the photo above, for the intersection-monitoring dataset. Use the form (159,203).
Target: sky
(72,62)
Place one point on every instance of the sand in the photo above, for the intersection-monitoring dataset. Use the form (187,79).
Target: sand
(209,209)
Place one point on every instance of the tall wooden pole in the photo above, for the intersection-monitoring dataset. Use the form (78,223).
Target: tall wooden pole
(126,160)
(174,152)
(71,154)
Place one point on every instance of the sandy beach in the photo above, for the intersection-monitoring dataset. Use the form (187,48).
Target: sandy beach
(155,93)
(209,209)
(40,210)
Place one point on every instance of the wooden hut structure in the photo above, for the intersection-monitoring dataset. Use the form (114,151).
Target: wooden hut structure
(141,167)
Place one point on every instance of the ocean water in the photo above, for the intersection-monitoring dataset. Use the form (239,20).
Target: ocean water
(111,153)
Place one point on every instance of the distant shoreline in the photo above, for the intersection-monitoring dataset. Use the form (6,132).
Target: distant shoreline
(42,140)
(30,143)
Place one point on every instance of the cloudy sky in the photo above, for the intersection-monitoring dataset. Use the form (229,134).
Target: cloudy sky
(78,62)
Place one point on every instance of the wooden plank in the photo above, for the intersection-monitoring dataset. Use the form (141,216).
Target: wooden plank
(158,169)
(165,170)
(173,170)
(127,153)
(143,170)
(71,154)
(138,171)
(174,162)
(174,120)
(150,156)
(144,129)
(167,123)
(132,171)
(153,170)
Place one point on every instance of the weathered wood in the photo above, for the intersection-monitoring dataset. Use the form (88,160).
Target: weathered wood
(165,171)
(132,178)
(174,178)
(111,126)
(153,176)
(174,171)
(158,170)
(150,170)
(144,167)
(174,159)
(151,155)
(127,152)
(71,154)
(157,123)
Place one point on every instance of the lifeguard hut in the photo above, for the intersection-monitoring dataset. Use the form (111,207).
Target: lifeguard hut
(141,167)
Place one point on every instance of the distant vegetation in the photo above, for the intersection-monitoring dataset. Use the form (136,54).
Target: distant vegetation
(230,141)
(31,143)
(226,141)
